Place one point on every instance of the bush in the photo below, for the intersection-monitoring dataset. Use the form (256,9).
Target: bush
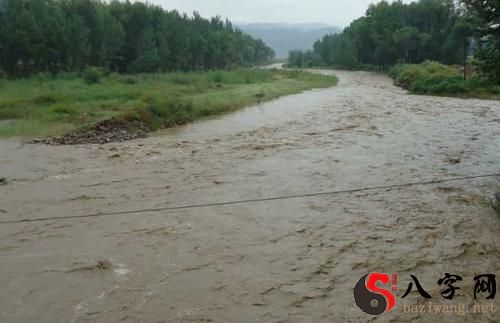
(129,80)
(429,78)
(182,79)
(293,74)
(240,76)
(66,110)
(147,63)
(218,77)
(68,76)
(160,112)
(45,99)
(44,77)
(438,79)
(92,75)
(168,112)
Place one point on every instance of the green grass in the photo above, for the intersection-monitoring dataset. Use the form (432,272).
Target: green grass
(45,106)
(437,79)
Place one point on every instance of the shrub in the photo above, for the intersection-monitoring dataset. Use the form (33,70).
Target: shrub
(67,110)
(68,76)
(429,78)
(218,77)
(92,75)
(183,79)
(293,74)
(147,63)
(169,112)
(44,77)
(160,112)
(240,76)
(45,99)
(61,112)
(129,80)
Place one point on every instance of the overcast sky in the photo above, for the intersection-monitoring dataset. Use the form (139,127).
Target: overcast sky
(333,12)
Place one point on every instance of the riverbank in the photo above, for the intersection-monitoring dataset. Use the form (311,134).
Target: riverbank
(430,78)
(120,107)
(433,78)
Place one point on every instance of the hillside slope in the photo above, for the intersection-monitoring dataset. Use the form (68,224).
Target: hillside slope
(285,37)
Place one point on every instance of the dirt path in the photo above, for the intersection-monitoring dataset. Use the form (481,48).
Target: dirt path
(282,261)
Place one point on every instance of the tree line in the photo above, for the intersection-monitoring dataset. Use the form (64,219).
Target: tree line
(446,31)
(69,35)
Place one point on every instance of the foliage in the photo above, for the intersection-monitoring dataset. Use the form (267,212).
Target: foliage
(92,75)
(488,14)
(119,36)
(56,105)
(395,32)
(438,79)
(298,58)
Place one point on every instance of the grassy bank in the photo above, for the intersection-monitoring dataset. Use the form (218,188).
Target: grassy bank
(437,79)
(45,106)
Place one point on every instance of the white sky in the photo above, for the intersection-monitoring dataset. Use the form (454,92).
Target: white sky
(333,12)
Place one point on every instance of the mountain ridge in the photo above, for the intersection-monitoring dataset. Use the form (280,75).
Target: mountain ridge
(283,37)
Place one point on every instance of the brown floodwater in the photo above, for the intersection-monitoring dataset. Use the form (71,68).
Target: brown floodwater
(294,260)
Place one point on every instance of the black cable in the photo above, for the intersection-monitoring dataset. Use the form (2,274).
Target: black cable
(287,197)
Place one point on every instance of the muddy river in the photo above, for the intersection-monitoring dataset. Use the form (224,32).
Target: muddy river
(290,260)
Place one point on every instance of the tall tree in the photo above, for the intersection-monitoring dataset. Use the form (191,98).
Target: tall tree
(393,32)
(488,14)
(124,36)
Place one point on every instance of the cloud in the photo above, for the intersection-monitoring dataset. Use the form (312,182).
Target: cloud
(333,12)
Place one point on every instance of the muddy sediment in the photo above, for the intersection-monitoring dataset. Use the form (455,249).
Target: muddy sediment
(294,260)
(103,132)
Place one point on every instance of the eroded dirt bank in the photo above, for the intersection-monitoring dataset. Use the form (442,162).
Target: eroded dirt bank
(282,261)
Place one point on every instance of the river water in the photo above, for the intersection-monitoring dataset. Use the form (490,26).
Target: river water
(293,260)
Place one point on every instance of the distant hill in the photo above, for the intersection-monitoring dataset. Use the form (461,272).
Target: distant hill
(285,37)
